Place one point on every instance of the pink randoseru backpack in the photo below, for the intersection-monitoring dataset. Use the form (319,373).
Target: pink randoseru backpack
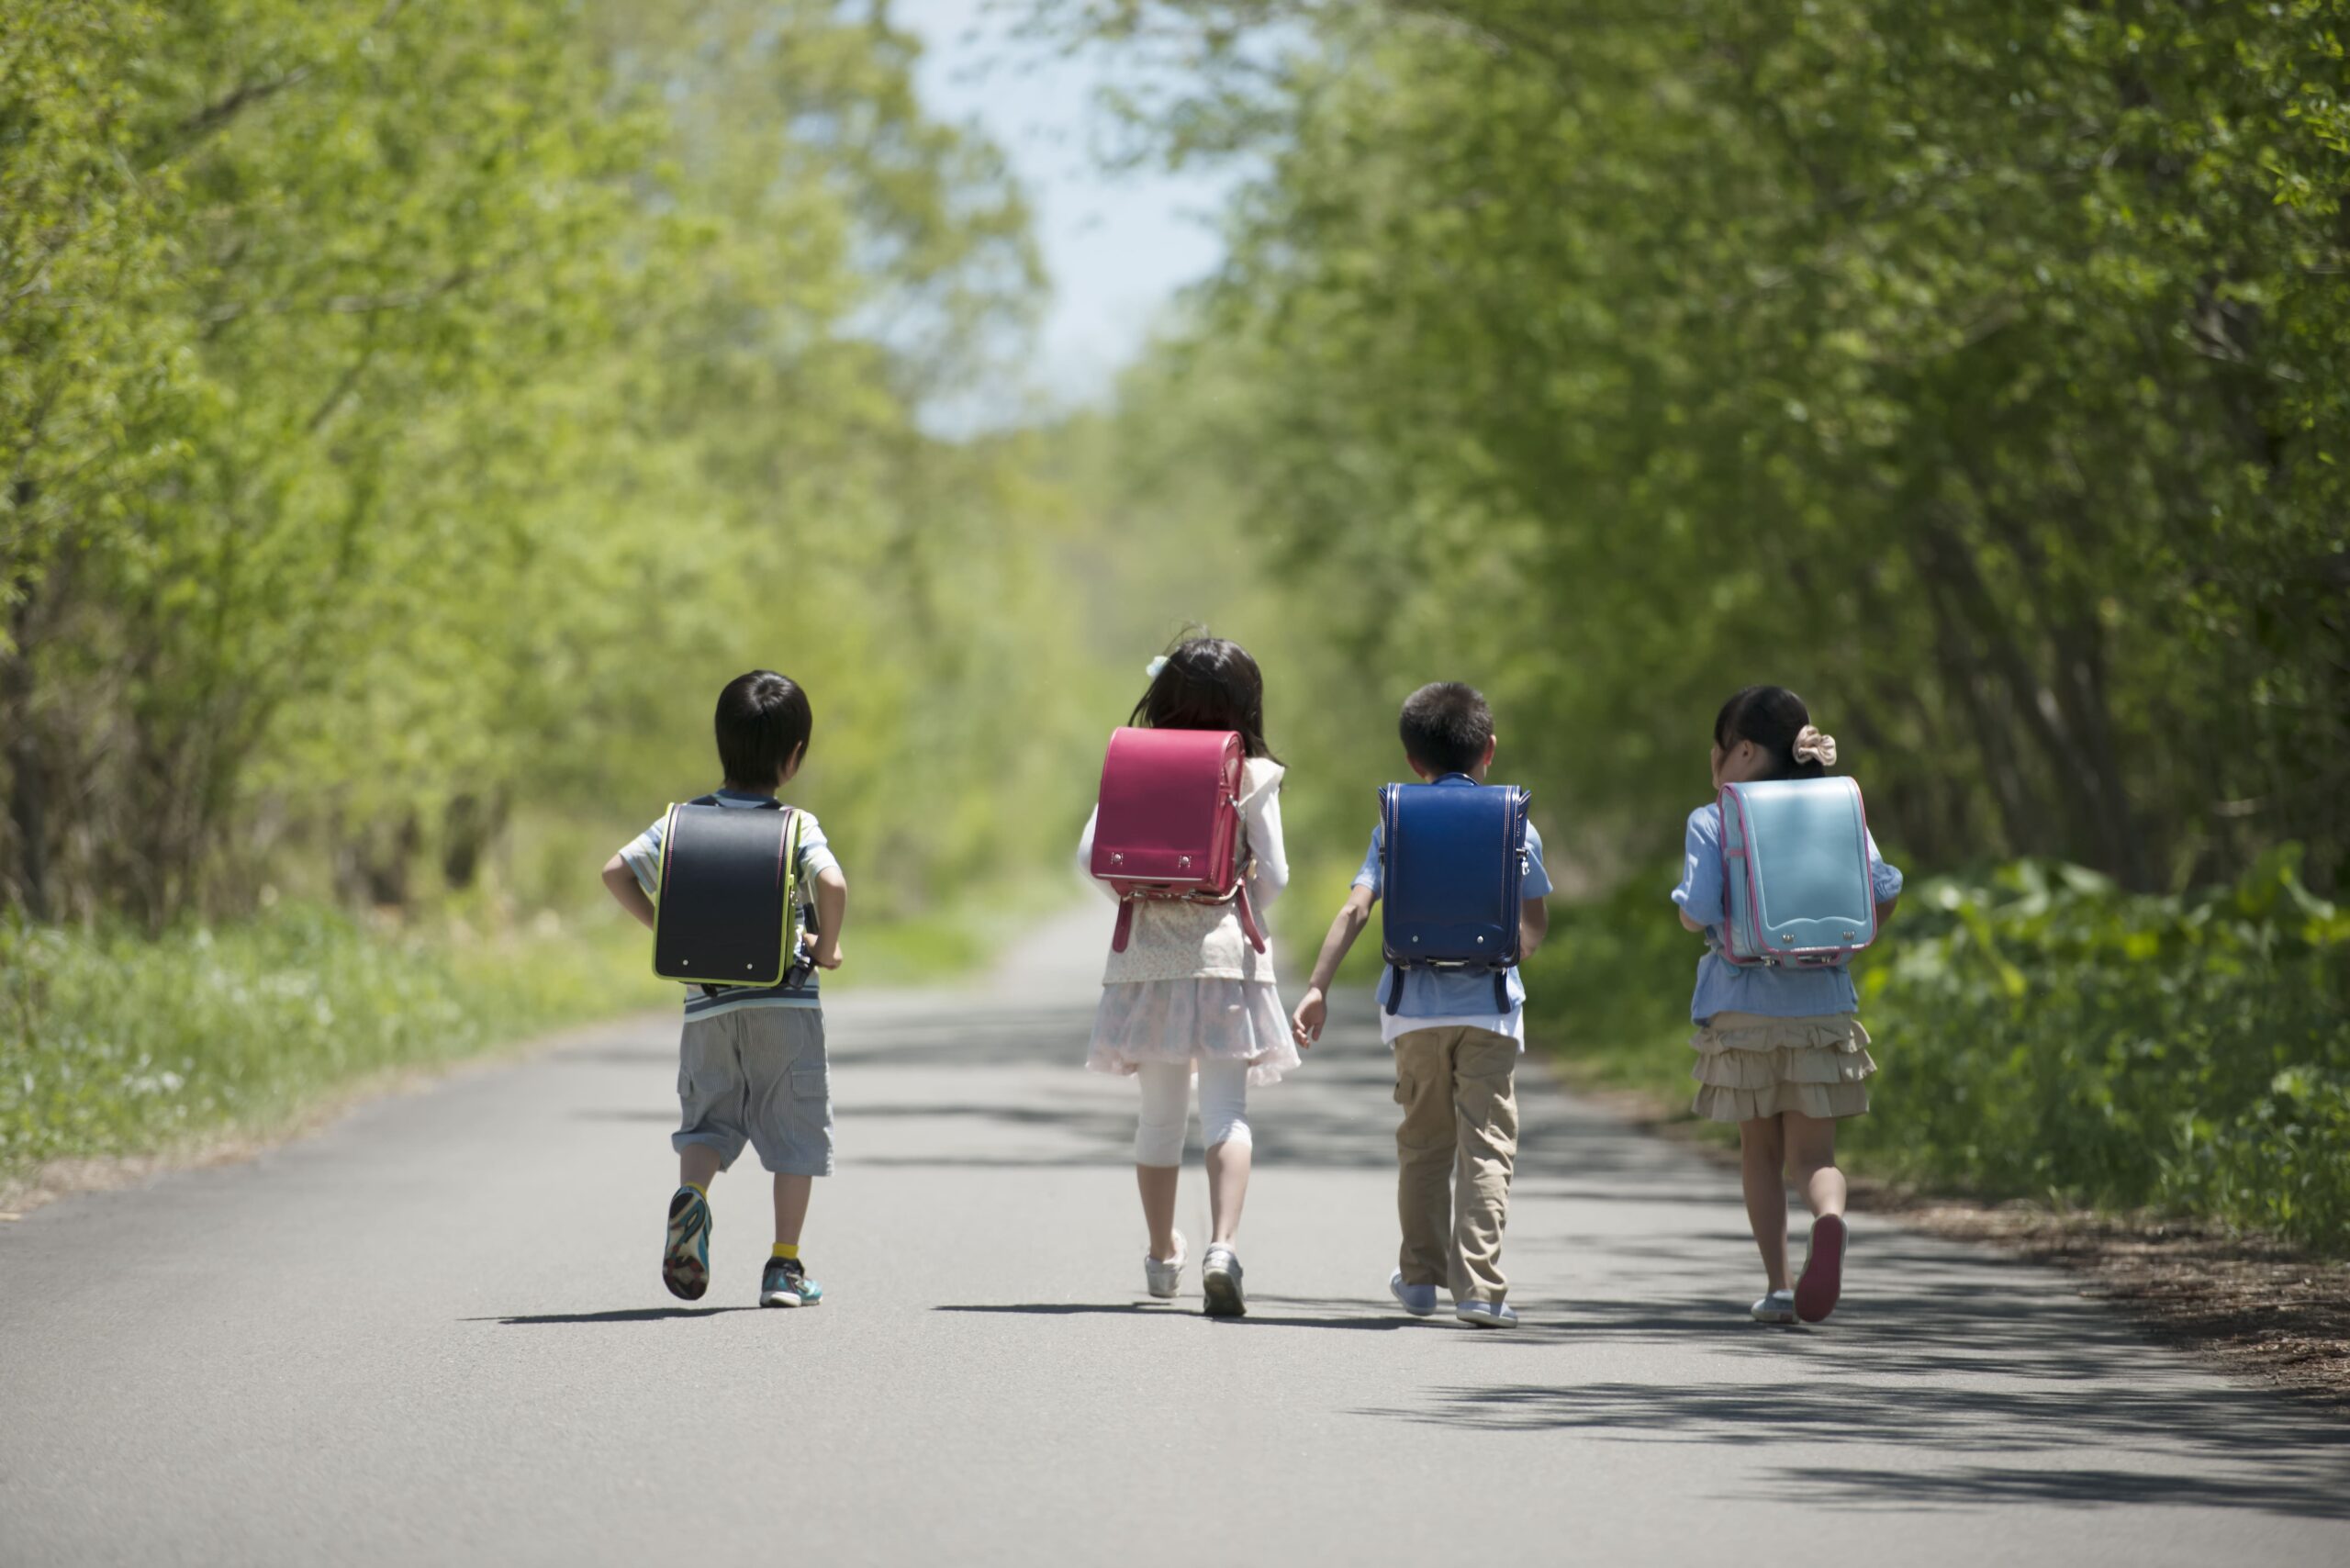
(1169,822)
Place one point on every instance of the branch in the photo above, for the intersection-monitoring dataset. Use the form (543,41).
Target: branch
(347,304)
(342,389)
(221,111)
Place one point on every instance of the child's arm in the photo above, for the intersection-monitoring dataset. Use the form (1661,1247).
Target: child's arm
(1314,1007)
(1701,868)
(1885,884)
(626,893)
(831,908)
(1533,925)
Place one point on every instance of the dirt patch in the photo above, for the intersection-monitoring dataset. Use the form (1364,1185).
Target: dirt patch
(2257,1308)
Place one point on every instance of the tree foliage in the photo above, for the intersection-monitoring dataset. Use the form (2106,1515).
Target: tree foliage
(411,411)
(1976,370)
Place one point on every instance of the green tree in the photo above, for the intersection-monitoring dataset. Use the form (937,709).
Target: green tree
(417,410)
(1975,370)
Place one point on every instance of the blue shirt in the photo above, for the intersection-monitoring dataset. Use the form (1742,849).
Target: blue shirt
(1772,991)
(642,856)
(1463,994)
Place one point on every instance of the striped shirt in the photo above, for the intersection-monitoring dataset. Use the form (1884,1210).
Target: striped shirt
(798,989)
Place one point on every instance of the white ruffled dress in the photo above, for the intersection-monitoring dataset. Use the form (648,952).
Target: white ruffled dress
(1189,986)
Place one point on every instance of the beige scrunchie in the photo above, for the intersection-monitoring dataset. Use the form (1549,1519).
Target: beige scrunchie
(1813,747)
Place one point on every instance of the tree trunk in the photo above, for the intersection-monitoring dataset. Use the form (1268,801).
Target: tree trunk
(28,770)
(466,830)
(1945,560)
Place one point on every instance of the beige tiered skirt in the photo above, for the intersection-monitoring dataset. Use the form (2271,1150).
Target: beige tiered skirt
(1751,1066)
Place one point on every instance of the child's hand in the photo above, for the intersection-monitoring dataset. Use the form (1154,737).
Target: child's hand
(825,956)
(1306,1023)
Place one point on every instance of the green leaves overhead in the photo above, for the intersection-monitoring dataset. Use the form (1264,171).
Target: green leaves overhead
(416,410)
(1976,370)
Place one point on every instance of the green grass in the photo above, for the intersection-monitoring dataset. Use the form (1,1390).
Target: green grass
(2040,1035)
(112,1043)
(116,1044)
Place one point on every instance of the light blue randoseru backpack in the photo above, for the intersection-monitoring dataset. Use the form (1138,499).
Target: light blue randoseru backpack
(1795,872)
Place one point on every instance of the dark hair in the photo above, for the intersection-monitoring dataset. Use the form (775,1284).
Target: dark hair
(1770,716)
(764,721)
(1446,725)
(1207,683)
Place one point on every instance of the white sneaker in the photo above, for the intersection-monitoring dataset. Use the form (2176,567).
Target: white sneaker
(1417,1300)
(1163,1280)
(1486,1313)
(1220,1283)
(1778,1306)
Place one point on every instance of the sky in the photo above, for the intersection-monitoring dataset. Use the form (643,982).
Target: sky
(1116,246)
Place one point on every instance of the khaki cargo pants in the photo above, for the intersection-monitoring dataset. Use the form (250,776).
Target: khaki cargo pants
(1455,1149)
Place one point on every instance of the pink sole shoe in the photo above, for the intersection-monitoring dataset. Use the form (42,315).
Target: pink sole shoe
(1823,1270)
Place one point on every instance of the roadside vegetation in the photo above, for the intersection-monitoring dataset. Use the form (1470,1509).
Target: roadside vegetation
(411,413)
(2043,1036)
(1975,371)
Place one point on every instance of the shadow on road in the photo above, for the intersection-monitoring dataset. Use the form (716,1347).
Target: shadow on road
(2248,1450)
(1332,1314)
(621,1315)
(2295,1489)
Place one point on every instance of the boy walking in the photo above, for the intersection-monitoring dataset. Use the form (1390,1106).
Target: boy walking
(1456,1051)
(751,1062)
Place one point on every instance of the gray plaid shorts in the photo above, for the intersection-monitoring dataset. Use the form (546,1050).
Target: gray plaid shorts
(757,1076)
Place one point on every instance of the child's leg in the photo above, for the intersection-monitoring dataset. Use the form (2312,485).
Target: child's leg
(1223,1127)
(1485,1102)
(1158,1148)
(791,1196)
(698,1165)
(1423,1146)
(1762,1149)
(1811,1160)
(710,1134)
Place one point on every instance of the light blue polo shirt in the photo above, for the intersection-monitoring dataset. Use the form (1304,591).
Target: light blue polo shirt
(1448,998)
(1773,990)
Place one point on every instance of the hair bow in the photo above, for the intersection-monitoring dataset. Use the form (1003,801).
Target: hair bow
(1154,666)
(1813,747)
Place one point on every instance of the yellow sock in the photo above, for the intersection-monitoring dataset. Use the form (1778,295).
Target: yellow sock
(788,1249)
(699,1188)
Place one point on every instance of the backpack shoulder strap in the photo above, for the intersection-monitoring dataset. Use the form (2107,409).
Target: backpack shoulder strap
(792,831)
(793,828)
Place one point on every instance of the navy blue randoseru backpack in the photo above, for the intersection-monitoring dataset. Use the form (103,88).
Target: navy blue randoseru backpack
(1452,862)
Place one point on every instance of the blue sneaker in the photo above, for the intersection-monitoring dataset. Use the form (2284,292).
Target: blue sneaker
(685,1258)
(1417,1300)
(786,1284)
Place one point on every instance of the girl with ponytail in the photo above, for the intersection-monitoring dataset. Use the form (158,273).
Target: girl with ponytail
(1780,1051)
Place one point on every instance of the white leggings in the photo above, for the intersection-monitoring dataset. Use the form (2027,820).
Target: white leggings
(1166,1107)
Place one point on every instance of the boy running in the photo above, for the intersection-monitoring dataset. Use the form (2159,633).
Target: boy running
(750,1061)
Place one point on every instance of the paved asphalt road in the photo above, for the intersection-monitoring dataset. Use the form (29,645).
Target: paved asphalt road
(435,1333)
